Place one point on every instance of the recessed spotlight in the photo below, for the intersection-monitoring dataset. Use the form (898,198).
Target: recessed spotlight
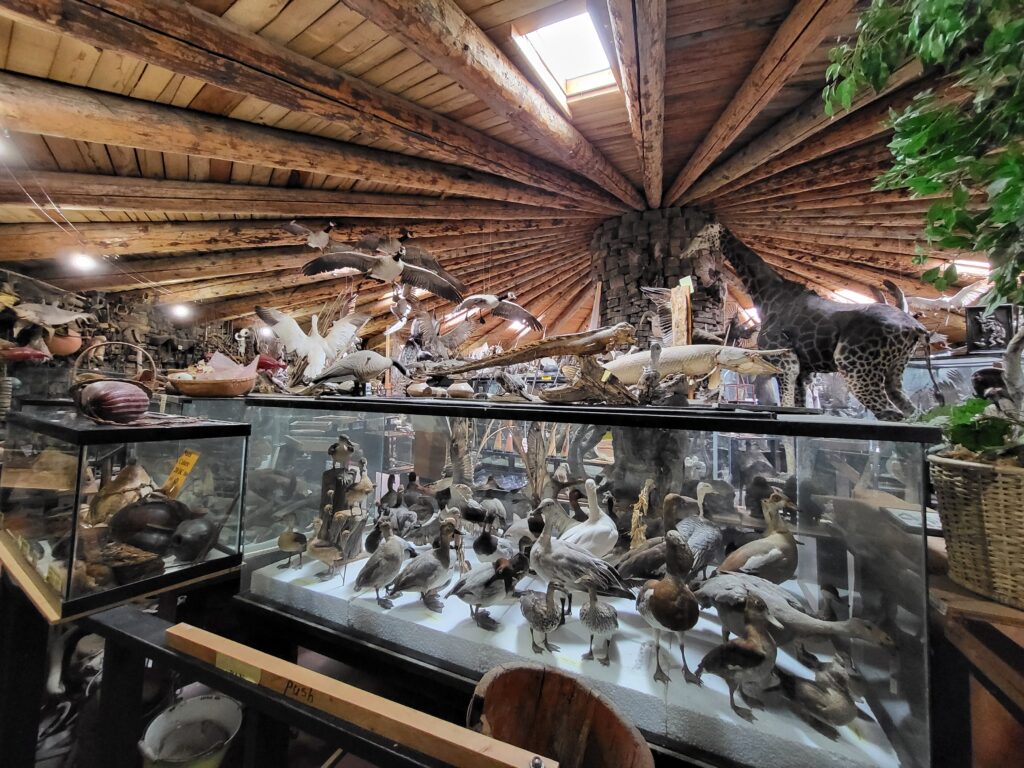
(83,262)
(180,311)
(265,331)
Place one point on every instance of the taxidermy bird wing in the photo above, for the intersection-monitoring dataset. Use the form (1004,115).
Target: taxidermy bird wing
(421,257)
(419,277)
(662,300)
(285,328)
(512,311)
(340,257)
(763,560)
(458,335)
(970,294)
(343,332)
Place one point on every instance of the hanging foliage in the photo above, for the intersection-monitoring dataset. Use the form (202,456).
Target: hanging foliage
(969,150)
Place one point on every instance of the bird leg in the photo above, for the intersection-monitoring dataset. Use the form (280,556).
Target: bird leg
(550,646)
(533,641)
(285,565)
(432,601)
(659,673)
(589,655)
(484,621)
(743,712)
(607,653)
(687,674)
(383,602)
(300,561)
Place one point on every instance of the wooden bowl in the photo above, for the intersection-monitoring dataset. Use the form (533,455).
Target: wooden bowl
(214,387)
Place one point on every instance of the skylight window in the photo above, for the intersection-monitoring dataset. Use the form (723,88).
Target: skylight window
(570,48)
(853,297)
(568,56)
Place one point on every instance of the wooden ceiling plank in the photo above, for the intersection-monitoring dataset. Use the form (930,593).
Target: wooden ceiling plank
(799,125)
(441,33)
(219,53)
(40,107)
(796,38)
(105,192)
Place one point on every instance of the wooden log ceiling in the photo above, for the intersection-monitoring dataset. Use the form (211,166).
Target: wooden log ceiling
(176,139)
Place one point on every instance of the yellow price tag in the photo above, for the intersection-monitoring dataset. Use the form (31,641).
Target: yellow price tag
(606,375)
(176,480)
(22,545)
(55,578)
(687,283)
(163,403)
(238,668)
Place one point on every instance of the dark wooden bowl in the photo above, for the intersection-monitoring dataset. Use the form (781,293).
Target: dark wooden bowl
(555,715)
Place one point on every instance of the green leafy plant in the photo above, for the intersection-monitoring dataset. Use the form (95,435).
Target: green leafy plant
(967,425)
(966,145)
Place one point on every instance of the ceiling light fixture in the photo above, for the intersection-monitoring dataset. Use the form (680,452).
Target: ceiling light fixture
(181,311)
(853,297)
(266,332)
(973,267)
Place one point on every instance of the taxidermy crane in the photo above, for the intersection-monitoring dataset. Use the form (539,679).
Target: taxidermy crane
(501,305)
(390,261)
(317,350)
(319,240)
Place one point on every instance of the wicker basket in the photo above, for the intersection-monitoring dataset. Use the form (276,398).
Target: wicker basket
(982,511)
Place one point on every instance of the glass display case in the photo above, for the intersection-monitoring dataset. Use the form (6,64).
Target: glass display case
(792,578)
(91,515)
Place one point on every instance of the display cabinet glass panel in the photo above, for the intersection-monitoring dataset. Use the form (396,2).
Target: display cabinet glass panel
(808,583)
(96,514)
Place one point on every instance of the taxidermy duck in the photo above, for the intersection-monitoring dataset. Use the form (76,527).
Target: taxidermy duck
(569,565)
(358,492)
(430,573)
(774,555)
(602,620)
(542,615)
(314,348)
(488,584)
(702,536)
(647,561)
(598,533)
(647,384)
(318,239)
(668,605)
(745,663)
(291,541)
(383,564)
(324,551)
(341,451)
(46,316)
(501,305)
(728,592)
(381,265)
(826,702)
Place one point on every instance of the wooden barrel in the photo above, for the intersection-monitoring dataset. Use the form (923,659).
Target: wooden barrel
(556,715)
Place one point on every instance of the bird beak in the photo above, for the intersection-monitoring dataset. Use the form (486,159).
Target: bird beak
(775,622)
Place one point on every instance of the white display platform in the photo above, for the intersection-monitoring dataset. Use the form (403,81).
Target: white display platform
(682,712)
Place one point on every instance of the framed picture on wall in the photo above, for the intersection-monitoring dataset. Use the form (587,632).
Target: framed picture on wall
(989,332)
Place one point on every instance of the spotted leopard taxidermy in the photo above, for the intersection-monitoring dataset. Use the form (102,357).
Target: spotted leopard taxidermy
(868,344)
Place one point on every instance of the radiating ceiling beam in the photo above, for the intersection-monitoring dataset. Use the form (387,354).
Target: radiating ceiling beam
(441,33)
(38,106)
(93,192)
(189,41)
(638,35)
(797,37)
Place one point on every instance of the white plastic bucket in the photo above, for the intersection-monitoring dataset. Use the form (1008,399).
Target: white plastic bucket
(194,733)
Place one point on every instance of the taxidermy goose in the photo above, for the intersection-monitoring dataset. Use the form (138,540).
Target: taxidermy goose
(598,533)
(576,568)
(702,536)
(962,298)
(318,240)
(429,573)
(502,305)
(402,307)
(316,349)
(381,265)
(647,386)
(773,556)
(363,366)
(383,564)
(46,316)
(488,584)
